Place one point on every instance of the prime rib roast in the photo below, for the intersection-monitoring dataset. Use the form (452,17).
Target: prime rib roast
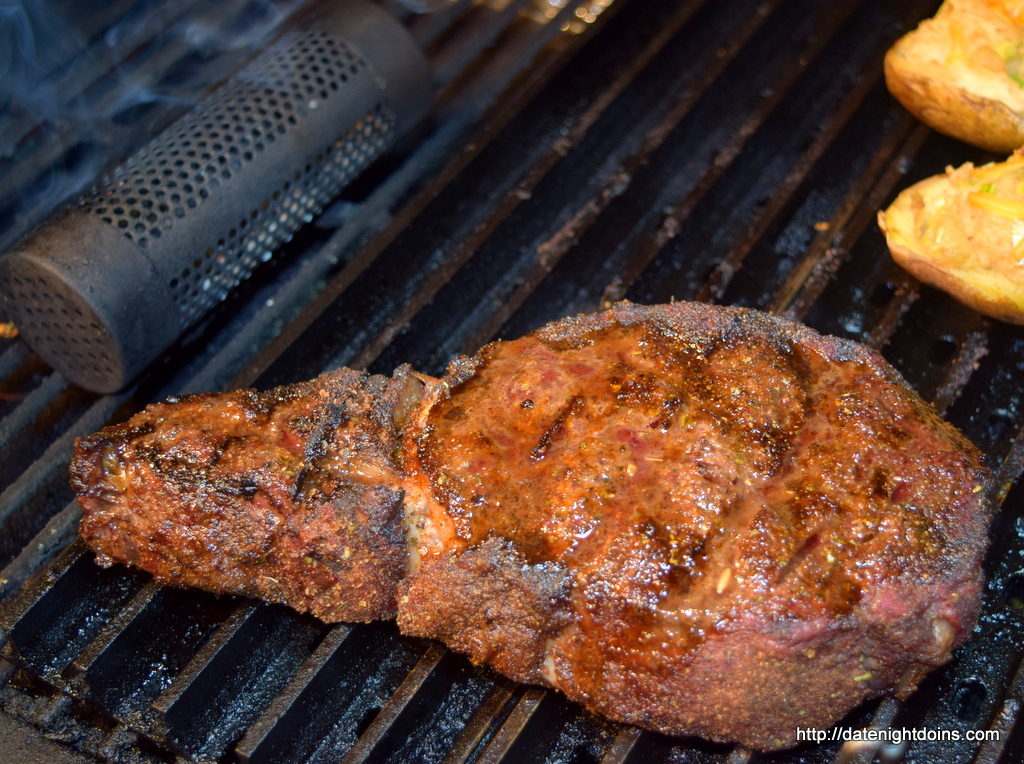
(701,520)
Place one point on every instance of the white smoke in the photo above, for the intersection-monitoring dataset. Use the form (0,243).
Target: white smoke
(82,84)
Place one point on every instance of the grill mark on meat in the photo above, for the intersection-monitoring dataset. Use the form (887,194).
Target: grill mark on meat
(803,551)
(309,481)
(710,572)
(574,405)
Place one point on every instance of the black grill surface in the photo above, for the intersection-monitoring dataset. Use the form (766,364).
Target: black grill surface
(732,151)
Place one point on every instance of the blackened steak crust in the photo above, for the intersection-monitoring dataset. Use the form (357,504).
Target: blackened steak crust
(288,495)
(697,519)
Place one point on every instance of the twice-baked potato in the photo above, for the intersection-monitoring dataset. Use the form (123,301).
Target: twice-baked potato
(962,72)
(964,232)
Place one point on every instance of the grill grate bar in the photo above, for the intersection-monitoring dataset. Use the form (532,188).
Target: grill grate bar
(623,745)
(98,646)
(15,608)
(116,744)
(29,409)
(12,357)
(824,255)
(967,358)
(209,652)
(426,29)
(364,748)
(486,719)
(460,112)
(259,732)
(479,225)
(52,538)
(508,733)
(905,294)
(473,38)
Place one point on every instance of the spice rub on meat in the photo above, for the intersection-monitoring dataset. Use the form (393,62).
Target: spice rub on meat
(697,519)
(289,495)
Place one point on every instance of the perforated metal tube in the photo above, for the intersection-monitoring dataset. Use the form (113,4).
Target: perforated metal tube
(107,284)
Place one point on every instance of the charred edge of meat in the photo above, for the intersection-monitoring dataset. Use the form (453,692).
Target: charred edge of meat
(289,495)
(490,603)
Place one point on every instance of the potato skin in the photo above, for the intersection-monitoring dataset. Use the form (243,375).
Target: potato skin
(977,263)
(997,305)
(936,72)
(974,119)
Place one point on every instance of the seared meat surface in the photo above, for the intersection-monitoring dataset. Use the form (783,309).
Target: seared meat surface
(289,495)
(697,519)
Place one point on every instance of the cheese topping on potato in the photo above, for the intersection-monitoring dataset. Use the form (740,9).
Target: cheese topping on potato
(964,232)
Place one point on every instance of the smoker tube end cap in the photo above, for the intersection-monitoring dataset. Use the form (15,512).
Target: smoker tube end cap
(88,301)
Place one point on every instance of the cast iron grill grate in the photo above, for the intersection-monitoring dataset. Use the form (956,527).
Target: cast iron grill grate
(734,151)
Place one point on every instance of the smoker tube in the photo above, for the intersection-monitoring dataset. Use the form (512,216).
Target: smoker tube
(107,284)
